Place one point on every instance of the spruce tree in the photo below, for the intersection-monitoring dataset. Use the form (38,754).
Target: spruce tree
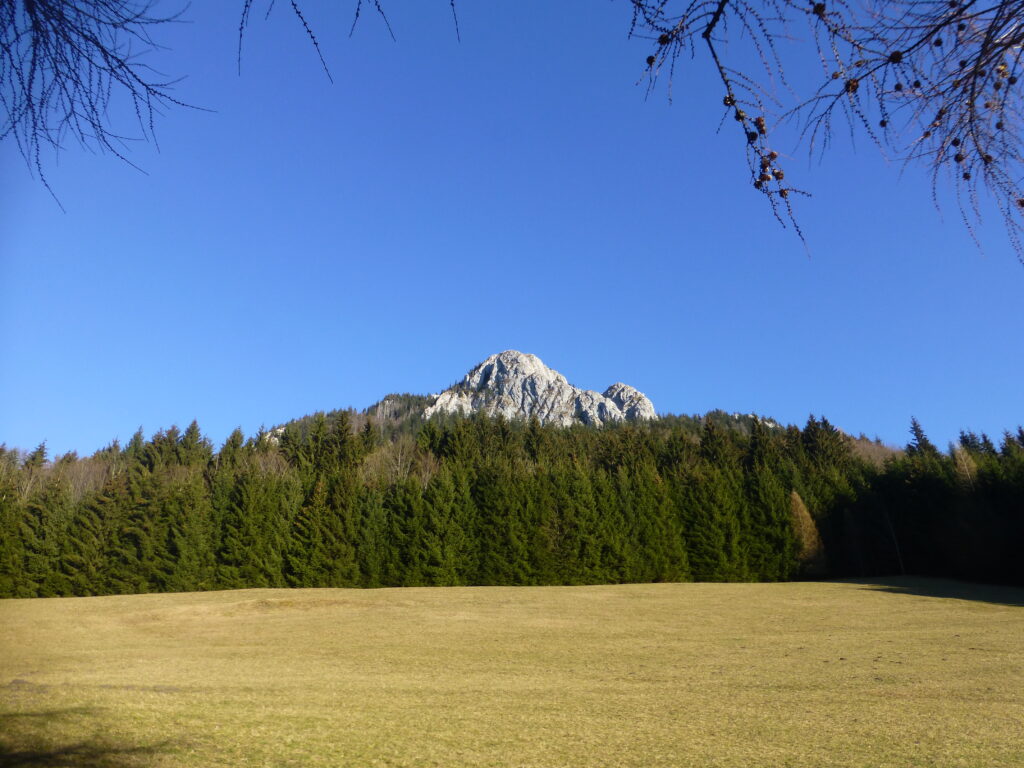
(578,546)
(83,558)
(48,511)
(616,514)
(546,529)
(920,445)
(190,532)
(13,581)
(446,543)
(712,500)
(661,553)
(306,556)
(341,524)
(374,551)
(406,564)
(503,510)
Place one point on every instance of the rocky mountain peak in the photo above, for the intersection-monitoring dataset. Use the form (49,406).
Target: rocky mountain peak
(518,385)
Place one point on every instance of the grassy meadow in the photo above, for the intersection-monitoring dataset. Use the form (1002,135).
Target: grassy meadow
(908,672)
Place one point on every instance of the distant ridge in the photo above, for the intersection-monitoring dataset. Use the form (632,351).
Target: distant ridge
(519,386)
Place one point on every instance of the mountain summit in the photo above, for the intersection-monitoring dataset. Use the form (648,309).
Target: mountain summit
(518,386)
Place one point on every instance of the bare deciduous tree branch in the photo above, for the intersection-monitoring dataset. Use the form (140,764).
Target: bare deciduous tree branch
(932,82)
(929,81)
(62,64)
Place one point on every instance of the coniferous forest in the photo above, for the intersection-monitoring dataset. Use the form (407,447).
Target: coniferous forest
(339,500)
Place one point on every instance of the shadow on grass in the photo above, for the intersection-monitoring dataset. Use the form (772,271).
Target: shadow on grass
(23,743)
(997,594)
(85,755)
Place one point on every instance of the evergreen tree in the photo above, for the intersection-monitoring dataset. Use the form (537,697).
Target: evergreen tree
(375,551)
(83,559)
(712,502)
(406,565)
(578,547)
(13,579)
(341,525)
(446,542)
(502,500)
(307,558)
(47,514)
(254,527)
(657,551)
(189,527)
(920,445)
(616,526)
(769,541)
(546,529)
(824,445)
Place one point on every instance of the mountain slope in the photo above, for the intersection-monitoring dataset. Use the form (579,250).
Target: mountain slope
(518,386)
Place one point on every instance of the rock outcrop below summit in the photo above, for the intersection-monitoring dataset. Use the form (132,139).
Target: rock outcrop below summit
(517,386)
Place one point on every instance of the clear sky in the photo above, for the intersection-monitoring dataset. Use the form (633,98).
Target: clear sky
(308,246)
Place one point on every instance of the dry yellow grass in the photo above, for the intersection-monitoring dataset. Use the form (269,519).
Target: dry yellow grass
(807,675)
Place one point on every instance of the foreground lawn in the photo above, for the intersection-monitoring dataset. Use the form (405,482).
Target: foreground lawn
(807,675)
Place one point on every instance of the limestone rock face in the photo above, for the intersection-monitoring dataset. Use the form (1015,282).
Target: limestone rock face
(517,386)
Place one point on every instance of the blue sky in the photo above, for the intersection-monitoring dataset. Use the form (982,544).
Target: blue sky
(308,246)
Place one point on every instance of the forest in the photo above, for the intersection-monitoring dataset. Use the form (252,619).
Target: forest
(343,499)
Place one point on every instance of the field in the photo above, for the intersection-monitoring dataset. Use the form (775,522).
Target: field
(908,672)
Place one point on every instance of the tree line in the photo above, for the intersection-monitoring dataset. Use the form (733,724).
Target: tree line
(341,500)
